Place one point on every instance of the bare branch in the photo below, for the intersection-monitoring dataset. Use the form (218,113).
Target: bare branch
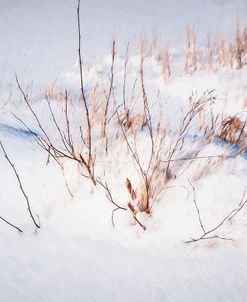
(209,234)
(37,225)
(11,224)
(89,130)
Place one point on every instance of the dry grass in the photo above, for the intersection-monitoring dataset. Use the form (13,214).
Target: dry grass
(233,130)
(191,52)
(111,125)
(215,54)
(106,121)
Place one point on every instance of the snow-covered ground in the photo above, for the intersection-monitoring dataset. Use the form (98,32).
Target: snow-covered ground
(77,254)
(39,39)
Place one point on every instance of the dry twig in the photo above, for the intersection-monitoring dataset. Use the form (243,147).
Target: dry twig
(11,224)
(210,234)
(37,225)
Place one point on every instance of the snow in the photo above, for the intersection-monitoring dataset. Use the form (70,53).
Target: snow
(78,254)
(39,40)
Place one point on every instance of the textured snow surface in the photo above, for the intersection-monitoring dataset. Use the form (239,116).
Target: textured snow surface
(78,255)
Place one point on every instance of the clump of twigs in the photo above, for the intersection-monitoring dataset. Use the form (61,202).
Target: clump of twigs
(214,232)
(76,145)
(160,164)
(98,119)
(79,144)
(147,190)
(66,148)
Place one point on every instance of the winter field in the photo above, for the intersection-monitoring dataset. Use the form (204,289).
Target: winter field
(123,150)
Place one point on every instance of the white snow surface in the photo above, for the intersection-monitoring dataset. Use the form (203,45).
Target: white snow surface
(77,254)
